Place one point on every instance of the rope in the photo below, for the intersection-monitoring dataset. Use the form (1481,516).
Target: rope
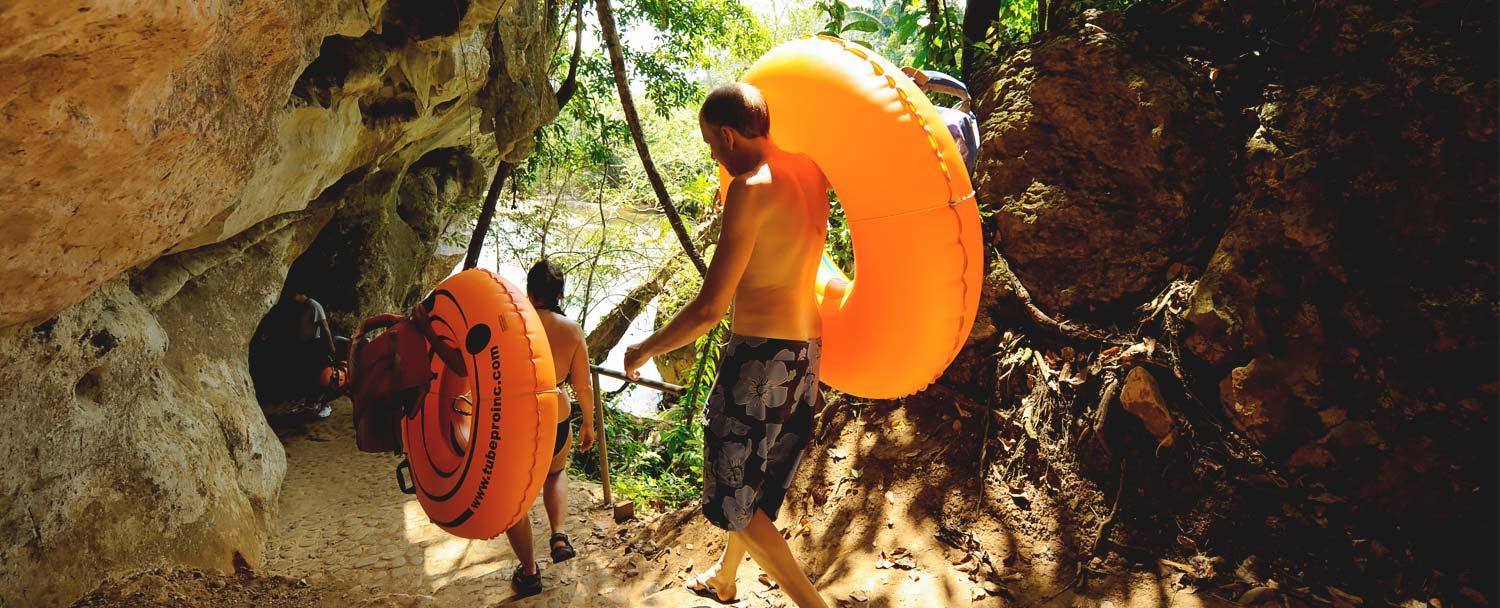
(946,205)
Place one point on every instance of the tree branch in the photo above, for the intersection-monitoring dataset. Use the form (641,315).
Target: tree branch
(570,83)
(612,326)
(622,85)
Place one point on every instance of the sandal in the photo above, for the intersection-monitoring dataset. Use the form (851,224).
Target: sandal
(700,587)
(563,552)
(524,584)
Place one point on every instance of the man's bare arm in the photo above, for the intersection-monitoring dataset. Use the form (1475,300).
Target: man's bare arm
(743,215)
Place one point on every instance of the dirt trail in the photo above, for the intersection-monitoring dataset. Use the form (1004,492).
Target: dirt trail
(344,522)
(877,508)
(868,518)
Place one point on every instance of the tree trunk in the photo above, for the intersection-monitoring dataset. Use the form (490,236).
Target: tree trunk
(487,213)
(978,16)
(570,84)
(934,19)
(617,62)
(610,329)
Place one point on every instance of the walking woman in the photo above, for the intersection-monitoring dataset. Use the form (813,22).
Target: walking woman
(570,356)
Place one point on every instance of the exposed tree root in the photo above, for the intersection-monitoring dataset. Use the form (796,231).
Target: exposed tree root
(1067,329)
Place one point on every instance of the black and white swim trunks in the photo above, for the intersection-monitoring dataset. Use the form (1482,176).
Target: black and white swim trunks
(758,420)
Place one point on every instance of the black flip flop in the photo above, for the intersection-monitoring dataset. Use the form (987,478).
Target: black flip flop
(526,586)
(706,590)
(563,553)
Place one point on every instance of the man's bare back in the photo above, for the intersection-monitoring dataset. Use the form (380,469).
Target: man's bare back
(774,297)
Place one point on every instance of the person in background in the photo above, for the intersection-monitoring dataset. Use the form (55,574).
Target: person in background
(960,119)
(570,357)
(319,352)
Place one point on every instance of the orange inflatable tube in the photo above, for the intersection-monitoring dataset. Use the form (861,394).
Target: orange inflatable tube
(895,327)
(480,443)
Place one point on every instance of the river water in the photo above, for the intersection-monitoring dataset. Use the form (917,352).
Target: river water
(637,400)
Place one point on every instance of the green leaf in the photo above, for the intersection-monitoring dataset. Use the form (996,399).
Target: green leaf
(866,25)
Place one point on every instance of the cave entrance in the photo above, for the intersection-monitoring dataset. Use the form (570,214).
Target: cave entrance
(379,251)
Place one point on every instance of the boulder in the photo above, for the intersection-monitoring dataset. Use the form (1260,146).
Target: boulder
(1104,167)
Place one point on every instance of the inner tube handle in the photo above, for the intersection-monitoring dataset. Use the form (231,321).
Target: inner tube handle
(406,486)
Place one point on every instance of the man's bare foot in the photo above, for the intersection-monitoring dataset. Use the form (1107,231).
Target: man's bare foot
(710,585)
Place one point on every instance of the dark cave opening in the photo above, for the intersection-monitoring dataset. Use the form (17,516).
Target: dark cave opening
(420,19)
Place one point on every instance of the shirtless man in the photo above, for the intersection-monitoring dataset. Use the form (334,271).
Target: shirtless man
(760,413)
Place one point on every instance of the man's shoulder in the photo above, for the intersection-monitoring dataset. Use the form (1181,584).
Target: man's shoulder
(755,185)
(768,181)
(756,180)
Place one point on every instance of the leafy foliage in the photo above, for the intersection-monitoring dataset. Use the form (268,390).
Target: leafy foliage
(661,461)
(839,244)
(903,31)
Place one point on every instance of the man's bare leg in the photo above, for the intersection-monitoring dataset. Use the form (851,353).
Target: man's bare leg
(722,577)
(774,556)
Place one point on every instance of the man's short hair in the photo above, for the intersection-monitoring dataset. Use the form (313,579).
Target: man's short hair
(738,106)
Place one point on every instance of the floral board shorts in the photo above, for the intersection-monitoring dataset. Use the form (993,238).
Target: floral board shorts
(758,420)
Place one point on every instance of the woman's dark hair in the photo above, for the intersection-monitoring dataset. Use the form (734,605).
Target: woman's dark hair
(544,283)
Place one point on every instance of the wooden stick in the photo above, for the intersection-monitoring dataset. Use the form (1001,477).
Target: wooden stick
(603,441)
(670,389)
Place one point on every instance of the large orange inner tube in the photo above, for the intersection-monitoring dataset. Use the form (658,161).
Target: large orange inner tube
(480,444)
(913,219)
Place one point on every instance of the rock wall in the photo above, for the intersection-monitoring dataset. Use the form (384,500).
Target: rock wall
(172,170)
(1105,167)
(1322,179)
(1349,314)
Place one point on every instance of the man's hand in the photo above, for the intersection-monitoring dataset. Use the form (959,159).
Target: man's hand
(636,356)
(586,437)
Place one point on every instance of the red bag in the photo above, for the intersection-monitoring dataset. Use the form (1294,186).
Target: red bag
(390,375)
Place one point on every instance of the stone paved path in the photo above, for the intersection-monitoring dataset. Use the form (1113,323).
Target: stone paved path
(343,519)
